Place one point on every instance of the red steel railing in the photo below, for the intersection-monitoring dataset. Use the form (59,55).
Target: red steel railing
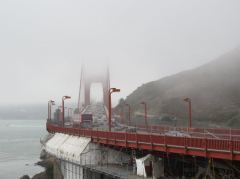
(213,133)
(197,143)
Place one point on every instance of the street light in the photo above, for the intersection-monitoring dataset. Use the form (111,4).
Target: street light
(129,114)
(63,98)
(188,100)
(145,114)
(50,103)
(111,90)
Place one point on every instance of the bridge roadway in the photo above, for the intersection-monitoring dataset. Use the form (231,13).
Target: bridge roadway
(209,143)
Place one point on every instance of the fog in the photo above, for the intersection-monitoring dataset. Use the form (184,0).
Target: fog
(43,43)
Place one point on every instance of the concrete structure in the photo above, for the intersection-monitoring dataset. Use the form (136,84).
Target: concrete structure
(97,152)
(78,154)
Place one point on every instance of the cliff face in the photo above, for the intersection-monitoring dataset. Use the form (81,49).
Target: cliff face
(214,89)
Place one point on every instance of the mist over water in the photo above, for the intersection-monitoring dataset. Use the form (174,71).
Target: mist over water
(20,147)
(43,43)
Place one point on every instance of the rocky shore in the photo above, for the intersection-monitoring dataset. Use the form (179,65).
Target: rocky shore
(50,163)
(52,168)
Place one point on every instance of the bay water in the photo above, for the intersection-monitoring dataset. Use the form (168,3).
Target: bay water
(20,147)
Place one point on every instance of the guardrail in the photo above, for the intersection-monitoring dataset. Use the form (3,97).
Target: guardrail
(212,133)
(188,145)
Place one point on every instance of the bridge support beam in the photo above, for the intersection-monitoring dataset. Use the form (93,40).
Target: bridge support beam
(86,82)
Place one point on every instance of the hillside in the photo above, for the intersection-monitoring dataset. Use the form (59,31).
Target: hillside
(214,89)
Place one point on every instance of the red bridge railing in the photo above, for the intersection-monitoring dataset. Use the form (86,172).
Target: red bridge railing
(196,145)
(213,133)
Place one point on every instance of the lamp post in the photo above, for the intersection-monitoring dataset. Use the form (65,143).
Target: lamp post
(145,114)
(129,114)
(188,100)
(63,98)
(111,90)
(50,103)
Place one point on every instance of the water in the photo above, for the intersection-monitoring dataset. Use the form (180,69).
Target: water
(20,147)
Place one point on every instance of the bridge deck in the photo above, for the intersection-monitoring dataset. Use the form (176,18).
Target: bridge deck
(213,145)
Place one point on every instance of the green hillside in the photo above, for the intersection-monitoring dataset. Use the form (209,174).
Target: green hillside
(214,89)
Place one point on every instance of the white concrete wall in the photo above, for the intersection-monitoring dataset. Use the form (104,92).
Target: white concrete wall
(95,154)
(76,152)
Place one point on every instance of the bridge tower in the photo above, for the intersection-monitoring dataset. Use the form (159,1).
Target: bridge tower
(87,79)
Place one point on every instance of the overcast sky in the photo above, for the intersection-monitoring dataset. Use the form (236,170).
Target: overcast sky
(43,42)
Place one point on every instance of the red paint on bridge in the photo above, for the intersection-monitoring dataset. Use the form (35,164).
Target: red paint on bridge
(225,147)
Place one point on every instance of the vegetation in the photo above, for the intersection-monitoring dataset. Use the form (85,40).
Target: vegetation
(214,89)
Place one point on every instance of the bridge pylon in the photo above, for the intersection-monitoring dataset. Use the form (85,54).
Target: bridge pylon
(87,79)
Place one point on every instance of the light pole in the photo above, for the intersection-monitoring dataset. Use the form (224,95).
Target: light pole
(63,98)
(129,114)
(188,100)
(145,113)
(50,103)
(111,90)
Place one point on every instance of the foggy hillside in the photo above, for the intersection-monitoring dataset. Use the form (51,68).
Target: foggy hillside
(214,89)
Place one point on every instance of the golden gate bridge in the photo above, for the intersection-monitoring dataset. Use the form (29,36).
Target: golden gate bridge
(191,146)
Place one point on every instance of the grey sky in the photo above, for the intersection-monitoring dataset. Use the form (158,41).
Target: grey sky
(42,42)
